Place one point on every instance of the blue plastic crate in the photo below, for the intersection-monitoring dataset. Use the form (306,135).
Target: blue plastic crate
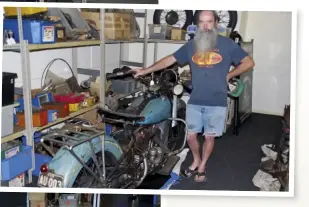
(16,165)
(52,115)
(35,31)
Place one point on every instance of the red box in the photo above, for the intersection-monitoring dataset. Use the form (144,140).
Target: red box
(69,98)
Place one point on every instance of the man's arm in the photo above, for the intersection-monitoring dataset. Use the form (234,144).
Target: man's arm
(245,65)
(161,64)
(179,56)
(240,58)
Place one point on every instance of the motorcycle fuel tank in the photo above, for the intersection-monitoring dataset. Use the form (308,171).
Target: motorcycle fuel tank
(156,110)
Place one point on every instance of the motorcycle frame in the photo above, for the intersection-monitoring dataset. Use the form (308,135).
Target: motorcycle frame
(52,137)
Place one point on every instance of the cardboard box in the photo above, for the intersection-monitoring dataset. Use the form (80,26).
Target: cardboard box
(178,34)
(38,204)
(37,196)
(117,25)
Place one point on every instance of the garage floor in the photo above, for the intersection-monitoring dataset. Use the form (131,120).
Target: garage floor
(236,159)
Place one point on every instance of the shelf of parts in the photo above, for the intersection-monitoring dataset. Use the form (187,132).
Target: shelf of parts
(85,43)
(58,121)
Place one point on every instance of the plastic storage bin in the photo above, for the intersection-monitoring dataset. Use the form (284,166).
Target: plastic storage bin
(8,86)
(35,31)
(12,11)
(14,166)
(10,149)
(125,86)
(7,120)
(160,31)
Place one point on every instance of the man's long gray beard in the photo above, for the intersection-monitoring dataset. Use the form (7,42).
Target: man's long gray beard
(205,41)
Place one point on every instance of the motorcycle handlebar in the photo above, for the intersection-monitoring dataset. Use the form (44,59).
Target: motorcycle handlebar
(119,74)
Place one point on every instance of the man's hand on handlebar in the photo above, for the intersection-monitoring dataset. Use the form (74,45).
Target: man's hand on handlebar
(139,72)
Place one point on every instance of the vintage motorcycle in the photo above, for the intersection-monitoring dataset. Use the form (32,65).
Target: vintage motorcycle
(149,132)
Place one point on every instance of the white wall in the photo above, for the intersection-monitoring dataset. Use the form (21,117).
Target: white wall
(271,32)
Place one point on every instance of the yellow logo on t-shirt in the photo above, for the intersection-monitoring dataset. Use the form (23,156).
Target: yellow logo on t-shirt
(207,59)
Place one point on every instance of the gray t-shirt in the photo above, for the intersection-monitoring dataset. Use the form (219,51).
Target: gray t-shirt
(209,74)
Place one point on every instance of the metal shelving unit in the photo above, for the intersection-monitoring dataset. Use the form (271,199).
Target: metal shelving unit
(24,49)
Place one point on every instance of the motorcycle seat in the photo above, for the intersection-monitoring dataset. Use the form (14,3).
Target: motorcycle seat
(116,114)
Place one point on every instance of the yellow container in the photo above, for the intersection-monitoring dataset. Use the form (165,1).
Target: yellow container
(88,102)
(25,11)
(74,107)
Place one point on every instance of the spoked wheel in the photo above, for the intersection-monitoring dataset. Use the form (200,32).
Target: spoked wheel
(85,180)
(176,18)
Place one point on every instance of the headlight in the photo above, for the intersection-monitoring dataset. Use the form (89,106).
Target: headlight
(178,89)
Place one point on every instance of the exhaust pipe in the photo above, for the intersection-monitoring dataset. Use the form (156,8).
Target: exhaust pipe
(185,138)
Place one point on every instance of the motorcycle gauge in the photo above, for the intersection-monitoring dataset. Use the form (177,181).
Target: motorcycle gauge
(178,89)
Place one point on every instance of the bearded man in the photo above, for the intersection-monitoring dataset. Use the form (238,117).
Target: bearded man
(210,56)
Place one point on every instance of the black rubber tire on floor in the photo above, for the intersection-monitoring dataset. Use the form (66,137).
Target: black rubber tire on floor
(233,18)
(189,17)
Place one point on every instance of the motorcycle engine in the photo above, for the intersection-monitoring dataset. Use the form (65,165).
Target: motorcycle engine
(149,148)
(155,155)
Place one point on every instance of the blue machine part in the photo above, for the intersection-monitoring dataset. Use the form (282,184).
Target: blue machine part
(156,111)
(64,164)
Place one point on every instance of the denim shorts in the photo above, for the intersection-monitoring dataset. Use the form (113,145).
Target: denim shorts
(210,118)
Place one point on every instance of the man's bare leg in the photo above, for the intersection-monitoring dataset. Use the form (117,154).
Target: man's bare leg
(195,149)
(207,150)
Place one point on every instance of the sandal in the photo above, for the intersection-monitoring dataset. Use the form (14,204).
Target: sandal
(200,174)
(188,173)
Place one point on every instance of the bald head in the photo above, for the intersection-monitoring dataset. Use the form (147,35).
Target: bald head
(206,35)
